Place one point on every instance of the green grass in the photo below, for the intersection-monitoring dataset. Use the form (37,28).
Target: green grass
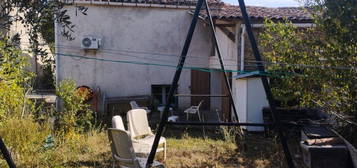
(187,148)
(195,151)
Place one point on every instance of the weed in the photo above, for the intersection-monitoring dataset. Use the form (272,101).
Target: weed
(75,115)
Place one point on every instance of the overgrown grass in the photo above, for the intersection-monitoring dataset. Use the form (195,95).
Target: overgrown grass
(25,139)
(186,149)
(191,149)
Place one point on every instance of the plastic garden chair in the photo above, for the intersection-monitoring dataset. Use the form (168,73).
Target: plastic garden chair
(194,110)
(123,152)
(117,122)
(135,105)
(140,132)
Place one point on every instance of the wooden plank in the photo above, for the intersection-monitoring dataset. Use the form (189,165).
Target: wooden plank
(228,33)
(225,25)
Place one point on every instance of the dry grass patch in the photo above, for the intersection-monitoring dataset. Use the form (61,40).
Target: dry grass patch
(199,152)
(213,152)
(185,150)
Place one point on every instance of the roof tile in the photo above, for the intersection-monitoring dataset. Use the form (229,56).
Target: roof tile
(226,11)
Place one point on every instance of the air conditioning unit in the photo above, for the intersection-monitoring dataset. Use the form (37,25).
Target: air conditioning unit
(90,43)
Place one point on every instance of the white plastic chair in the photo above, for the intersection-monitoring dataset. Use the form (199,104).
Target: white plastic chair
(117,122)
(135,105)
(141,134)
(123,152)
(194,110)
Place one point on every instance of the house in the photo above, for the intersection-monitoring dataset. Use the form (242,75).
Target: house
(247,88)
(140,43)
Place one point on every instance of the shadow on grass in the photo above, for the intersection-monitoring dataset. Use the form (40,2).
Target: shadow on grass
(99,160)
(179,132)
(259,151)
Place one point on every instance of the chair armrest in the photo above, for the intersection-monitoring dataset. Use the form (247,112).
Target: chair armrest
(122,159)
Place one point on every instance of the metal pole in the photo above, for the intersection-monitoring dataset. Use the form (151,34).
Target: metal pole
(174,83)
(265,82)
(220,124)
(6,154)
(226,81)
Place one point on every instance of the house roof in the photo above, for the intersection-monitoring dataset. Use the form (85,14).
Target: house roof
(221,10)
(226,11)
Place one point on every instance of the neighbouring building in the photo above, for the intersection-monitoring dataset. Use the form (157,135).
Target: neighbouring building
(17,27)
(140,43)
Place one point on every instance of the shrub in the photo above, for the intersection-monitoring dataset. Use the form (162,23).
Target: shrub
(14,80)
(24,138)
(75,115)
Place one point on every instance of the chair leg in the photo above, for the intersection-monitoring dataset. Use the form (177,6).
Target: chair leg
(203,127)
(164,151)
(199,115)
(113,164)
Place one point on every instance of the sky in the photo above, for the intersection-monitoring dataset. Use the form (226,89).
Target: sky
(267,3)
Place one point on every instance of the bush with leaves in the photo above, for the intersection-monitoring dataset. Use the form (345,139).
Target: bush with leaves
(24,137)
(75,116)
(14,80)
(317,66)
(26,140)
(39,17)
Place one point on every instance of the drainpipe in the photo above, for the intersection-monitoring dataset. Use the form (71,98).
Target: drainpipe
(56,62)
(242,44)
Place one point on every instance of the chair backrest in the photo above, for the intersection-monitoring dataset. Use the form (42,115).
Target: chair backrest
(134,105)
(199,104)
(138,124)
(122,148)
(117,122)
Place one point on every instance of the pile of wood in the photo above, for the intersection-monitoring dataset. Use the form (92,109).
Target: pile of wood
(323,148)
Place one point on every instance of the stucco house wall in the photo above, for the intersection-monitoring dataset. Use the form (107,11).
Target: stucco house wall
(136,34)
(154,34)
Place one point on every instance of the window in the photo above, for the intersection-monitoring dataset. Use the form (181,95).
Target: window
(160,94)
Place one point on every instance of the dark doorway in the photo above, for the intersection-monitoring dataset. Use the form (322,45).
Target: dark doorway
(200,85)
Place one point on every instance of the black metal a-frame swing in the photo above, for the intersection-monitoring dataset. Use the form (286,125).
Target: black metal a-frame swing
(260,67)
(176,78)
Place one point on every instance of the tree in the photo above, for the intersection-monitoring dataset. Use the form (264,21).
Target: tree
(316,66)
(14,81)
(38,17)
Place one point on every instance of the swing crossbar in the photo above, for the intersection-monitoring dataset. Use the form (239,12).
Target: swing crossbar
(199,95)
(220,124)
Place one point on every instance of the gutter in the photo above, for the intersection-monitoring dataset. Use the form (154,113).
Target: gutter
(294,24)
(57,59)
(242,49)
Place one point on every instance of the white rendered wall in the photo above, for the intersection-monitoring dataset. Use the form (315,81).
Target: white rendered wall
(250,99)
(152,30)
(241,98)
(216,89)
(228,50)
(256,101)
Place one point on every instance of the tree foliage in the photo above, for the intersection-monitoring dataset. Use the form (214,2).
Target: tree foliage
(75,115)
(320,62)
(39,17)
(14,79)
